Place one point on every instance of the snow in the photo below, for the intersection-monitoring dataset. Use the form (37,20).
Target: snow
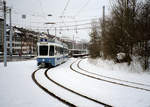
(116,95)
(122,71)
(68,96)
(18,89)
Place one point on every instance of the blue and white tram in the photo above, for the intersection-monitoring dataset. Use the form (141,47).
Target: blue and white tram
(51,54)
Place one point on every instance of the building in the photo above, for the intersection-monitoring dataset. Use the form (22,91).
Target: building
(23,42)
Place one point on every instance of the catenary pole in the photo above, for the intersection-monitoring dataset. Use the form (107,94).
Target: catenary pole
(11,34)
(55,31)
(103,20)
(73,42)
(5,45)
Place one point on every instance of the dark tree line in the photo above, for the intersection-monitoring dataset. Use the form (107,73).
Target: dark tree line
(126,30)
(94,46)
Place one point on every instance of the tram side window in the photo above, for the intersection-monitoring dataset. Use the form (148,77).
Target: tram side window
(65,51)
(57,50)
(61,50)
(43,50)
(51,51)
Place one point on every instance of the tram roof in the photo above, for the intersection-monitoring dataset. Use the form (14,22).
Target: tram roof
(52,43)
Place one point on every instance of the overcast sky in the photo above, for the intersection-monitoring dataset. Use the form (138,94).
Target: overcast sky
(76,12)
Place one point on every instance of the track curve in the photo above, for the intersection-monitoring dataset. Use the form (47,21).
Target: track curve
(78,65)
(107,80)
(96,101)
(48,92)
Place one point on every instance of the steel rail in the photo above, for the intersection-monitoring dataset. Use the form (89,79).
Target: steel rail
(107,80)
(48,92)
(84,96)
(110,77)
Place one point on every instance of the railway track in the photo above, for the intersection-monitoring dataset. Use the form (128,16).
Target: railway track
(70,90)
(84,96)
(98,78)
(111,77)
(48,92)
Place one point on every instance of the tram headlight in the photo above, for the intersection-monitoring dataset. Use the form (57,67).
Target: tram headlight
(43,60)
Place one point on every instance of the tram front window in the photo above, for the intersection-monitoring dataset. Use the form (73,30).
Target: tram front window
(43,50)
(51,51)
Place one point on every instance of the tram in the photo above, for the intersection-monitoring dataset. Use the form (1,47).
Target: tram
(51,53)
(78,53)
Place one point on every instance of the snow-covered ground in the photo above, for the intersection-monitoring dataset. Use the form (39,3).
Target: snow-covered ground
(122,71)
(18,89)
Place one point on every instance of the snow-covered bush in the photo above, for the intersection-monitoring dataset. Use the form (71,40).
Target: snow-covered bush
(135,65)
(121,56)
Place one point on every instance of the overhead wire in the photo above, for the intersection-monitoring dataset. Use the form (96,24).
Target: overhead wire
(83,24)
(79,11)
(62,14)
(65,7)
(84,20)
(82,28)
(41,5)
(20,13)
(69,26)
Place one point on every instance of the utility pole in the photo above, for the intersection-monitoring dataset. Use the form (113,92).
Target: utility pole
(55,31)
(48,31)
(73,42)
(104,14)
(5,45)
(11,34)
(103,21)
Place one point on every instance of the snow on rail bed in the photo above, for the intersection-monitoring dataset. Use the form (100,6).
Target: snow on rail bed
(63,93)
(18,89)
(112,94)
(121,71)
